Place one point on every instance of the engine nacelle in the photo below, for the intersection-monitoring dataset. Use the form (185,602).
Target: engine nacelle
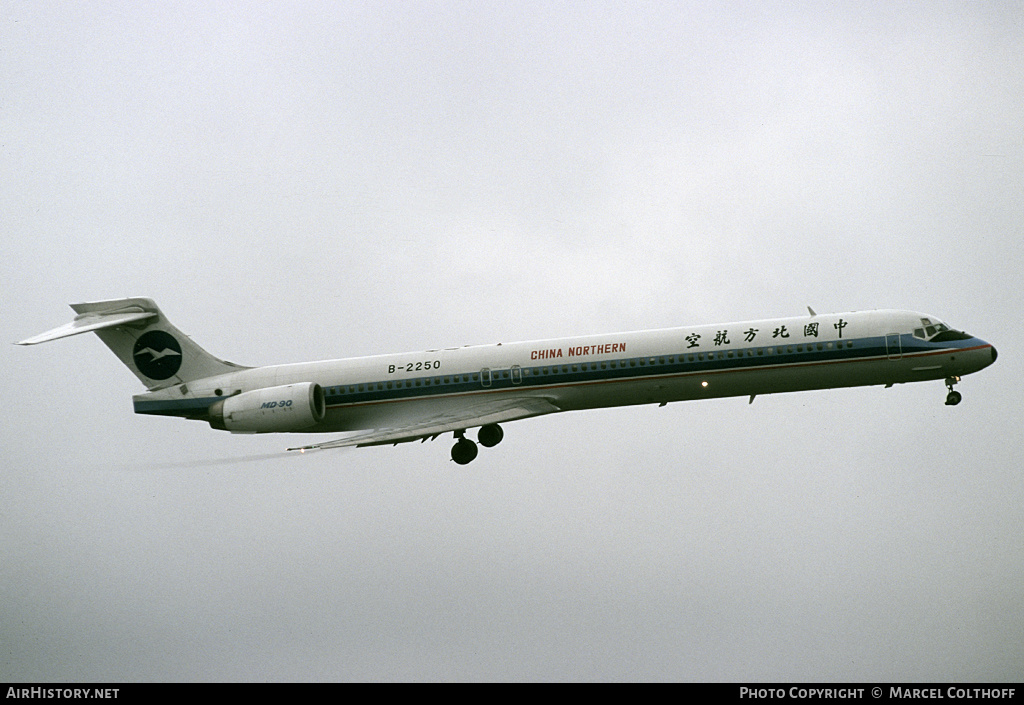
(290,407)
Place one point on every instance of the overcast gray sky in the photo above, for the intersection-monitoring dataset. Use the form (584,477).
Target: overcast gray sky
(302,181)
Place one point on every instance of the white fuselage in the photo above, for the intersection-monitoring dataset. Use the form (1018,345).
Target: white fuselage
(694,362)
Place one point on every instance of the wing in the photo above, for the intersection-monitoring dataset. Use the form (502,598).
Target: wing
(475,414)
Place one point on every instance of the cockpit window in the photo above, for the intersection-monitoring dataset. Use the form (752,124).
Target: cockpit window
(938,332)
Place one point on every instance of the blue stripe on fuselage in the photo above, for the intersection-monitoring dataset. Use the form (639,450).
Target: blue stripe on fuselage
(568,374)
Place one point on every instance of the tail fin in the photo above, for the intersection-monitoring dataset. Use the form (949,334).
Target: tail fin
(143,339)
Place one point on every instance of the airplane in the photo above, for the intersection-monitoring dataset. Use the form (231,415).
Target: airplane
(397,398)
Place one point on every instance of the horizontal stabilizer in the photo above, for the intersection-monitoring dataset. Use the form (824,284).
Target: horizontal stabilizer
(143,339)
(92,321)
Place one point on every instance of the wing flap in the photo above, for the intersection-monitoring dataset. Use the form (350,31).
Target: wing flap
(479,414)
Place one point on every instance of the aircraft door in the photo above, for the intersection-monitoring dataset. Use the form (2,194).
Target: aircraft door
(517,374)
(893,346)
(485,377)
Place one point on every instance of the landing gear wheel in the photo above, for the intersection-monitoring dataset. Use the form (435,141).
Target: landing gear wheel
(953,398)
(490,435)
(464,451)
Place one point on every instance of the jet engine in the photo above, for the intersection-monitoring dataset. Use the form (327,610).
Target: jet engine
(290,407)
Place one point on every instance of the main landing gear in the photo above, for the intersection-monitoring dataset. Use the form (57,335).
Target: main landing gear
(465,450)
(953,398)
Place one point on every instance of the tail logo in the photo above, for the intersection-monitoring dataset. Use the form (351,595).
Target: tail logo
(157,354)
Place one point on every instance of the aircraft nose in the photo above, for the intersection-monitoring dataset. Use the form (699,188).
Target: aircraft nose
(994,353)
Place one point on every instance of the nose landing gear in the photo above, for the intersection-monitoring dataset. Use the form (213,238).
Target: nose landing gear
(953,398)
